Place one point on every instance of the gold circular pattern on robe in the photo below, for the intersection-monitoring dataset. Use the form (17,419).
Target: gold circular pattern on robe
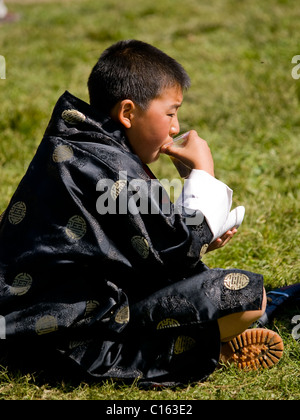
(21,284)
(183,343)
(17,212)
(167,323)
(72,116)
(91,306)
(76,227)
(203,250)
(45,325)
(122,316)
(236,281)
(62,153)
(141,246)
(117,188)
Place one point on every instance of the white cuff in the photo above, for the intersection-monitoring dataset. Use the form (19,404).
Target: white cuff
(212,197)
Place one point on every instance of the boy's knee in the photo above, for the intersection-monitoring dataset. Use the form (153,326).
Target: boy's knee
(253,316)
(264,304)
(234,324)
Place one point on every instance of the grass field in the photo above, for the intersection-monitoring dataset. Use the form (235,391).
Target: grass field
(243,101)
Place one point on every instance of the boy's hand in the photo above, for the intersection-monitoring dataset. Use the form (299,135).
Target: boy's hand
(222,241)
(194,153)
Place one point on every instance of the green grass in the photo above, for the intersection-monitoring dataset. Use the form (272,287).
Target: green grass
(243,101)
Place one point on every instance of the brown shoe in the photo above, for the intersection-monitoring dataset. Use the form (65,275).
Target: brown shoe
(253,349)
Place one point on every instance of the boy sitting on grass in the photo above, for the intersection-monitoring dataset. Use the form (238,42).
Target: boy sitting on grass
(95,265)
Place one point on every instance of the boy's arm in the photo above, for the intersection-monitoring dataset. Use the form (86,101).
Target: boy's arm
(211,197)
(202,192)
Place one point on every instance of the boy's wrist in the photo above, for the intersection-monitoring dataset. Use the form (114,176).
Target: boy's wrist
(204,168)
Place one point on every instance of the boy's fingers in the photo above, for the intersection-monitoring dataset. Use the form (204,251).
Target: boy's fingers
(172,150)
(165,148)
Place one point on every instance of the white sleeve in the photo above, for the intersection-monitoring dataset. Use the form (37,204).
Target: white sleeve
(202,192)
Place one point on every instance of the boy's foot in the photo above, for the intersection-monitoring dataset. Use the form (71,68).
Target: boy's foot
(253,349)
(277,299)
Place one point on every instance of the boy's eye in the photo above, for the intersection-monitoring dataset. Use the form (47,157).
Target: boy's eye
(171,115)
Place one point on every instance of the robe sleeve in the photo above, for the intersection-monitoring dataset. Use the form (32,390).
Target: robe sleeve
(211,197)
(157,235)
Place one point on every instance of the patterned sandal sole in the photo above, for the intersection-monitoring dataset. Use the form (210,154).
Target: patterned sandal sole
(254,349)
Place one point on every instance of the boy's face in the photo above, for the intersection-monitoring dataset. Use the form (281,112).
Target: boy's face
(155,126)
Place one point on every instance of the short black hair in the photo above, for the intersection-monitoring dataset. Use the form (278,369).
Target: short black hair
(135,70)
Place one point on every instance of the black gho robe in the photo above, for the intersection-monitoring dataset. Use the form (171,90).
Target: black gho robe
(96,262)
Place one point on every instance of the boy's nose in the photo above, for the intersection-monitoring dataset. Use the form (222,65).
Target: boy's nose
(175,128)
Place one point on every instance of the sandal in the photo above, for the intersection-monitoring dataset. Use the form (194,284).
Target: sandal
(253,349)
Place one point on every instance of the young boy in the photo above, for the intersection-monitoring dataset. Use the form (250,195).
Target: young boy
(98,264)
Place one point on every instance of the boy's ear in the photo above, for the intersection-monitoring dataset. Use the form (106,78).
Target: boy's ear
(123,112)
